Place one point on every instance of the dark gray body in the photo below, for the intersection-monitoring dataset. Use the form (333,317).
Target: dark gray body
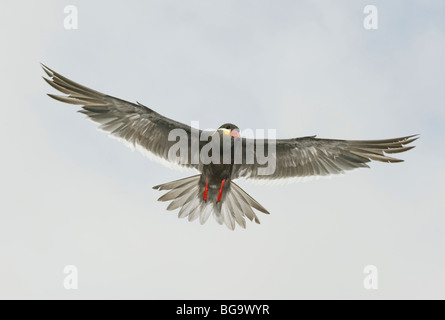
(147,130)
(215,173)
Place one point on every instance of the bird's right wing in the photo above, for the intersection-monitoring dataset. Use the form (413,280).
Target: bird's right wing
(310,156)
(136,125)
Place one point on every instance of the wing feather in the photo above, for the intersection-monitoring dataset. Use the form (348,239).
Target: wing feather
(312,157)
(133,123)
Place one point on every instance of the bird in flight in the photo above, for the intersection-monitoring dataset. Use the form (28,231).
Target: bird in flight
(213,190)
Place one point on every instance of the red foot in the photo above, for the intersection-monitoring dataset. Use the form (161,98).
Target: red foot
(204,196)
(220,190)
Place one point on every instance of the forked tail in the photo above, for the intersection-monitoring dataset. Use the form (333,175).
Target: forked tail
(185,194)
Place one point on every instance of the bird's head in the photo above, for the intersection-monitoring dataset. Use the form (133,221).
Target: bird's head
(230,129)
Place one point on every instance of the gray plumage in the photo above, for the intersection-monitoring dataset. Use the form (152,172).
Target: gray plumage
(311,157)
(213,190)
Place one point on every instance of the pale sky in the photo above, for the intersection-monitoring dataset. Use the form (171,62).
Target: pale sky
(73,196)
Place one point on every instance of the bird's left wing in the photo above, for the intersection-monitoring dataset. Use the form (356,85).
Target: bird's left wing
(136,125)
(309,156)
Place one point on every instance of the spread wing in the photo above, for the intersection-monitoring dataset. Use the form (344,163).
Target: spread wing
(310,156)
(134,124)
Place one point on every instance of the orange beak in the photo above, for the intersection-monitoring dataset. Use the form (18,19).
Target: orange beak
(235,134)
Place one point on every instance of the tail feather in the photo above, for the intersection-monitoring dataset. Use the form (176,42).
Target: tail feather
(187,208)
(232,210)
(251,201)
(177,183)
(175,193)
(182,200)
(205,212)
(229,220)
(246,208)
(243,207)
(193,211)
(238,214)
(218,216)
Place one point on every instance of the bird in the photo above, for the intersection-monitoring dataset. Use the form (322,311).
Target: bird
(213,191)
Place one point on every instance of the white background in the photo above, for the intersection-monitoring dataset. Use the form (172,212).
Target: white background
(72,196)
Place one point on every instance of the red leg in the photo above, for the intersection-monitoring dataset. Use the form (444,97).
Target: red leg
(220,190)
(206,189)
